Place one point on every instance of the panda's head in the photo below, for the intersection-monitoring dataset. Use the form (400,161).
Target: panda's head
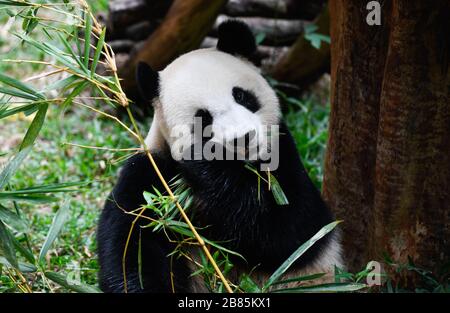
(219,86)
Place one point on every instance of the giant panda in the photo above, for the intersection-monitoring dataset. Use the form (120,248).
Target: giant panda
(222,87)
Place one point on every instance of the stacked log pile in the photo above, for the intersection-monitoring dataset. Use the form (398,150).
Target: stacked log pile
(277,25)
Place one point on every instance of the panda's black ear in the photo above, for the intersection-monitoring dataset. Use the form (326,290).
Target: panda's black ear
(147,81)
(235,37)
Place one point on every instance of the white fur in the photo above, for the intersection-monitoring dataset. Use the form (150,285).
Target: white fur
(204,79)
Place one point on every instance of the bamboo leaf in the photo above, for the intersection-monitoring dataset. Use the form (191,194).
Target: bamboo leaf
(87,39)
(49,49)
(17,93)
(27,108)
(24,251)
(334,287)
(47,34)
(98,50)
(75,35)
(30,21)
(7,245)
(248,285)
(35,127)
(15,3)
(277,191)
(57,224)
(70,50)
(298,253)
(174,225)
(27,198)
(275,187)
(300,279)
(12,220)
(21,86)
(23,267)
(77,287)
(74,94)
(52,188)
(10,13)
(62,84)
(12,166)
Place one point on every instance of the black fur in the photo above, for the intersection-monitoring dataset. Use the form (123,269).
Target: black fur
(236,38)
(225,200)
(246,98)
(147,81)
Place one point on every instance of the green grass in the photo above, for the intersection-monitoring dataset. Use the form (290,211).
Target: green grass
(53,162)
(308,122)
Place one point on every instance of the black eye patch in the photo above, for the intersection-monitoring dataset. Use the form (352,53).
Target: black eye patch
(246,98)
(205,116)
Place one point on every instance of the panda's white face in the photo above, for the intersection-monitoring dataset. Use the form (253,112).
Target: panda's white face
(229,90)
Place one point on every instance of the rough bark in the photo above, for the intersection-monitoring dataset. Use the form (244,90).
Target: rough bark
(296,9)
(387,168)
(303,63)
(182,30)
(277,32)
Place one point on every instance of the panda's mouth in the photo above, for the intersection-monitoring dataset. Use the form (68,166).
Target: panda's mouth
(234,150)
(245,145)
(244,148)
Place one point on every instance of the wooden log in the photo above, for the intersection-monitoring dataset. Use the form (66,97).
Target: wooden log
(277,32)
(123,13)
(121,45)
(270,56)
(303,63)
(141,30)
(286,9)
(182,30)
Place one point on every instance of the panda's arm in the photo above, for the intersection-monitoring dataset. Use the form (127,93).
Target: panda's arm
(115,224)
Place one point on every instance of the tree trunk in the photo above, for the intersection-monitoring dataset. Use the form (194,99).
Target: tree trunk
(303,64)
(387,167)
(182,30)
